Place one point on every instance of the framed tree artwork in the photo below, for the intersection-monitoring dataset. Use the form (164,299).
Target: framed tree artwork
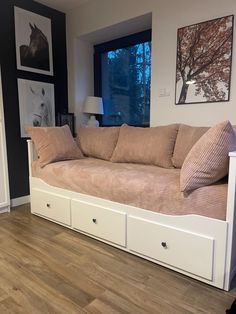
(203,64)
(33,42)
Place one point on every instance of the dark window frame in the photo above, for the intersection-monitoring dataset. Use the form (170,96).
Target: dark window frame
(119,43)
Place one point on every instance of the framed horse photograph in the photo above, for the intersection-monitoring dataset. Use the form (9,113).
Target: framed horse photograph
(33,42)
(36,104)
(66,118)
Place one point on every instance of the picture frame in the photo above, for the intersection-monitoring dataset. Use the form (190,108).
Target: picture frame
(36,104)
(204,61)
(66,118)
(33,38)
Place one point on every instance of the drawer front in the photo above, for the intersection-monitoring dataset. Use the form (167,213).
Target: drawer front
(98,221)
(51,205)
(184,250)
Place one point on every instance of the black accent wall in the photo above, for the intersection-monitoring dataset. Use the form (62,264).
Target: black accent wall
(17,146)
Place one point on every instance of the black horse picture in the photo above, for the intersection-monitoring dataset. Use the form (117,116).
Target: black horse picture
(33,42)
(36,54)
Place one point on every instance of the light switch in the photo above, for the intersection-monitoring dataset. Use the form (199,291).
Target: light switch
(164,92)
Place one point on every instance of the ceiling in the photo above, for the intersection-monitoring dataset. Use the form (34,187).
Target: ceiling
(62,5)
(125,28)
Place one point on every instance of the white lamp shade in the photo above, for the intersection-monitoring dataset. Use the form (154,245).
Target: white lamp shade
(93,105)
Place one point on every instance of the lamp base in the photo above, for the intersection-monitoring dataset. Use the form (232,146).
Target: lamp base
(92,122)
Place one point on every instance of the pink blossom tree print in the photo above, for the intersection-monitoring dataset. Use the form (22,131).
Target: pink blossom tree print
(204,54)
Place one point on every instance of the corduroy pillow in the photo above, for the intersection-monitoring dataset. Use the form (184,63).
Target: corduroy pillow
(187,136)
(152,146)
(98,142)
(208,161)
(54,144)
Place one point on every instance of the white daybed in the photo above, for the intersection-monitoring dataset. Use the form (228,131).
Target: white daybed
(197,246)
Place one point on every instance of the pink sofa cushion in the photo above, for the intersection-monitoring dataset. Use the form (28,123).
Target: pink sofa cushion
(186,138)
(153,146)
(144,186)
(98,142)
(54,144)
(208,160)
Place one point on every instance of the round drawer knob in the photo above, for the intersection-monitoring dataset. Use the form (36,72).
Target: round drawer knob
(94,220)
(164,245)
(48,205)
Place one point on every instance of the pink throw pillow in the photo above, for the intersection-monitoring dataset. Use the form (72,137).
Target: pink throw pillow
(208,161)
(98,142)
(186,138)
(54,144)
(152,146)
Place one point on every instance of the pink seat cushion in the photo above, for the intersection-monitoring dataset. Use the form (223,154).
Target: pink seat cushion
(144,186)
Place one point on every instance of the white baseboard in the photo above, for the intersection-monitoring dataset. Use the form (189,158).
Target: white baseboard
(20,200)
(5,210)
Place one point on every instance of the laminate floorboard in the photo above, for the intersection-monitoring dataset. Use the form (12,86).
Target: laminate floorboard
(46,268)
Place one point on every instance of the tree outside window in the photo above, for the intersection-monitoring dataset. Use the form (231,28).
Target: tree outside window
(125,85)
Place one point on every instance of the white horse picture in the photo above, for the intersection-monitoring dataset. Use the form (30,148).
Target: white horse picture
(42,109)
(36,101)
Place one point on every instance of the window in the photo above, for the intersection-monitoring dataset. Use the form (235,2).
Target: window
(123,79)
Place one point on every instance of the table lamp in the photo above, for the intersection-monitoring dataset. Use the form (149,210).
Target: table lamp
(93,105)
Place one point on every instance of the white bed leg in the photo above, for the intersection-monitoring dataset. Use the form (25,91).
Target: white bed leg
(31,154)
(230,265)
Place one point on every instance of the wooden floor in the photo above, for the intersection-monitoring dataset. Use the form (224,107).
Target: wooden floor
(45,268)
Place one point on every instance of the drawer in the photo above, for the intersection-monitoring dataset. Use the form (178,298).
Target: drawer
(98,221)
(184,250)
(51,205)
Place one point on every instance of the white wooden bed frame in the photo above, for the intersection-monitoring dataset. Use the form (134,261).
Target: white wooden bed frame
(197,246)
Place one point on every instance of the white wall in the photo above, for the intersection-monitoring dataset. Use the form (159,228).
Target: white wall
(167,17)
(83,77)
